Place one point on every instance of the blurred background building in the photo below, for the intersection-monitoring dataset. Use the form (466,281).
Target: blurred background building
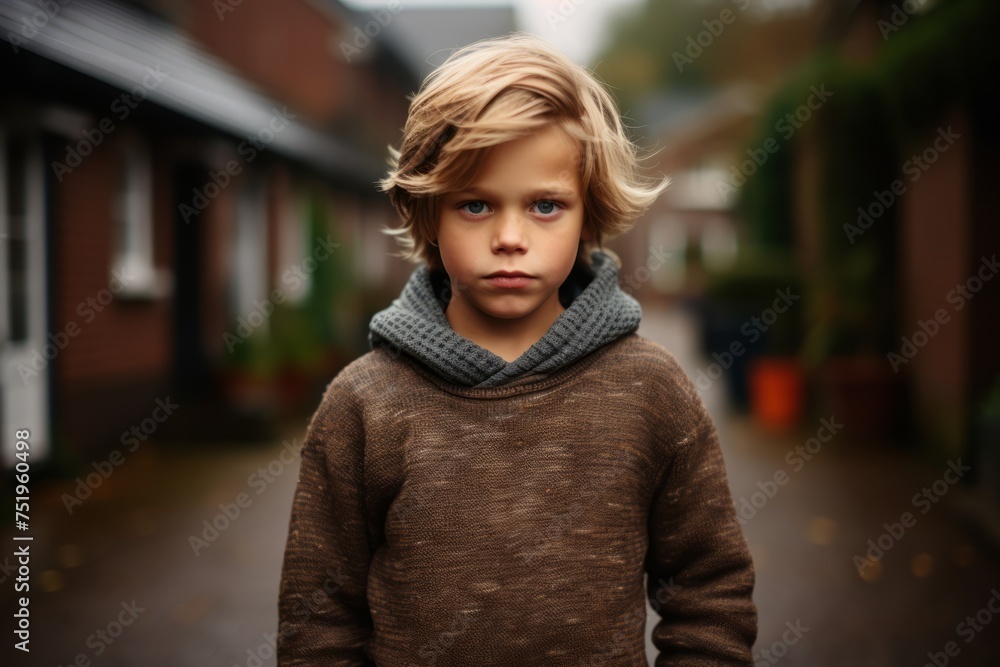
(844,150)
(173,173)
(189,213)
(190,203)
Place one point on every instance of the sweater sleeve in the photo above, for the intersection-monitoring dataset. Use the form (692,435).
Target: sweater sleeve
(700,574)
(323,615)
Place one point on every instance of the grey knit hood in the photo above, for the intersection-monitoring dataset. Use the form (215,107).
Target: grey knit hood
(597,312)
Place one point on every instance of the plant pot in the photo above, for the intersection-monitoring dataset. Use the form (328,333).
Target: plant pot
(249,392)
(776,392)
(292,386)
(861,392)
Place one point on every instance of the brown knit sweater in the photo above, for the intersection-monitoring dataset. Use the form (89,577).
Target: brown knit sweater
(442,524)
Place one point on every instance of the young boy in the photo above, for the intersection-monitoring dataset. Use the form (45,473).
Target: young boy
(491,482)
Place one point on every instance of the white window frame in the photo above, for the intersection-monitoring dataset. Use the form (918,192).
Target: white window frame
(250,249)
(133,222)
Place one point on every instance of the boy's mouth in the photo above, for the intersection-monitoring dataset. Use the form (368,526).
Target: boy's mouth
(509,278)
(509,274)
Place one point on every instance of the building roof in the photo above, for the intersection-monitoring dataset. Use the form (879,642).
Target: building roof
(426,36)
(119,45)
(676,114)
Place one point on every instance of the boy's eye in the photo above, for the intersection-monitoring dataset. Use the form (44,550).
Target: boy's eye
(547,206)
(474,207)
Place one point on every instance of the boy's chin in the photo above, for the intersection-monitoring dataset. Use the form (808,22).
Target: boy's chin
(509,307)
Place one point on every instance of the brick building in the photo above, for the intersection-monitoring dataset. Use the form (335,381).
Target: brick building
(168,170)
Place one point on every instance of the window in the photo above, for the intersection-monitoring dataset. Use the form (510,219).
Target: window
(250,279)
(718,244)
(133,221)
(669,238)
(293,248)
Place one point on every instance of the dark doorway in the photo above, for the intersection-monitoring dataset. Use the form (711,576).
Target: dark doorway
(191,370)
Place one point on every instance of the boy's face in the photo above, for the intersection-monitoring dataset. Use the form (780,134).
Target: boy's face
(523,212)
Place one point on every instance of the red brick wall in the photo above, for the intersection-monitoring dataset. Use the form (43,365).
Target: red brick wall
(125,339)
(109,374)
(288,48)
(935,231)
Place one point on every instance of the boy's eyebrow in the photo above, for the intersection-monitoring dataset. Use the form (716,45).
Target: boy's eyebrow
(543,191)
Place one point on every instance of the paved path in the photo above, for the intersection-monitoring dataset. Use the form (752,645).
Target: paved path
(125,554)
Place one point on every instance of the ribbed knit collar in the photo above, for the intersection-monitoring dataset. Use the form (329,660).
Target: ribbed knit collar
(597,312)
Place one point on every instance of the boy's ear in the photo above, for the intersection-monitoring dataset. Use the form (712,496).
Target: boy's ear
(586,234)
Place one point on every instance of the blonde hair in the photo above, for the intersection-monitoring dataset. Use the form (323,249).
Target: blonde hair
(493,91)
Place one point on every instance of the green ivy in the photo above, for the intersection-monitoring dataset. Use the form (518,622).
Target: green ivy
(877,112)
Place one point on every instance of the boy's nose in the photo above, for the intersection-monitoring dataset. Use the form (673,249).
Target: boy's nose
(509,232)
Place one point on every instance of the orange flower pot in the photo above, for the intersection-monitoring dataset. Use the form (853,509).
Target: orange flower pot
(776,392)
